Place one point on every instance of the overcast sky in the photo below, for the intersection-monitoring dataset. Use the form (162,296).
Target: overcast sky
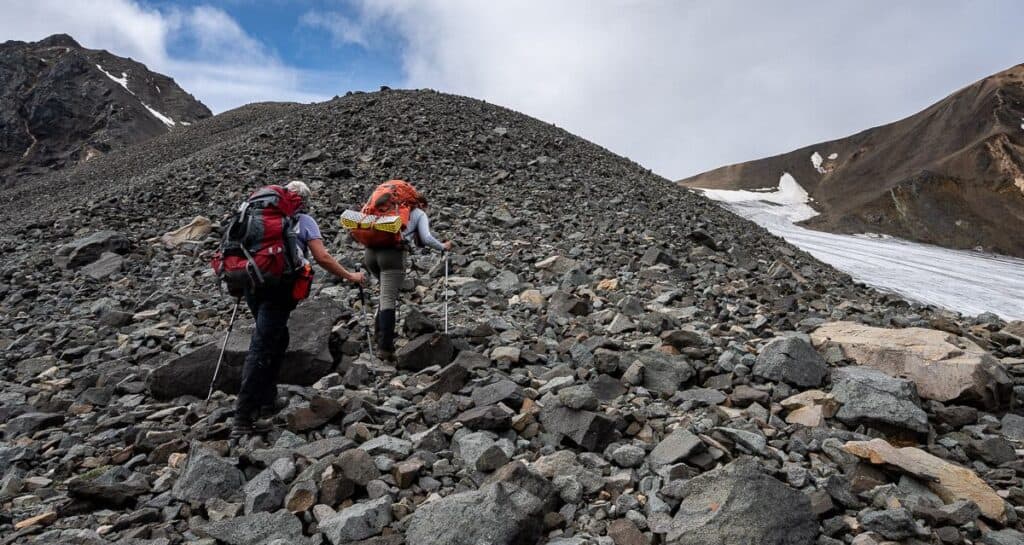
(680,87)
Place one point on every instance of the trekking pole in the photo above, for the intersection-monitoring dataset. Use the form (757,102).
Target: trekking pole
(445,292)
(366,322)
(223,346)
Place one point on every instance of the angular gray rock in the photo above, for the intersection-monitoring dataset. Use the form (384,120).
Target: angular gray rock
(791,360)
(892,524)
(675,447)
(663,373)
(579,397)
(88,249)
(117,486)
(503,391)
(425,351)
(107,264)
(1012,427)
(309,356)
(739,504)
(29,423)
(871,397)
(506,511)
(264,492)
(1006,536)
(479,451)
(588,430)
(358,522)
(395,447)
(207,476)
(257,529)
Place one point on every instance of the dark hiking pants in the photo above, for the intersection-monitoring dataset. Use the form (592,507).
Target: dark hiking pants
(267,348)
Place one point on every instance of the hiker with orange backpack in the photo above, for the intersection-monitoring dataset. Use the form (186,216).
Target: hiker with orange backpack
(264,257)
(391,222)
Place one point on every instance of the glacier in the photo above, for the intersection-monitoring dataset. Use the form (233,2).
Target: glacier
(968,282)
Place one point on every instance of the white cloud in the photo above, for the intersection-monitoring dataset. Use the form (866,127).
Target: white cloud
(225,69)
(684,87)
(342,29)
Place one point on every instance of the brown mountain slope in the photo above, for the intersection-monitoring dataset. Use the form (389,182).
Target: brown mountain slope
(951,175)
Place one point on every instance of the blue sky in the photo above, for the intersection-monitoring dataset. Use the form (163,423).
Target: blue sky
(681,87)
(280,25)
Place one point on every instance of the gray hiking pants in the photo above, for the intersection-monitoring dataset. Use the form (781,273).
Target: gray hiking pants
(388,265)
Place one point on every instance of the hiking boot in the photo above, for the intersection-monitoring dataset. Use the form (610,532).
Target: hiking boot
(270,410)
(386,332)
(241,427)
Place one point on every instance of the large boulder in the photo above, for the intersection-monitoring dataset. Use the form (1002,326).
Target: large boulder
(943,366)
(308,358)
(738,505)
(871,397)
(88,249)
(791,360)
(949,481)
(425,351)
(508,510)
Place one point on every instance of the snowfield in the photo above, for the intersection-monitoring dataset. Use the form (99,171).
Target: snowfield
(964,281)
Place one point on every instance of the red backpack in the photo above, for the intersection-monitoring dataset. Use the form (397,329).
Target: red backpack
(384,216)
(259,248)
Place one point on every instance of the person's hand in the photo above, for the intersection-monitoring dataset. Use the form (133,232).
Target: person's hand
(357,278)
(447,245)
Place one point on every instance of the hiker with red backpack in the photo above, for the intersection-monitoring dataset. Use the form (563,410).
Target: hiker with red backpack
(264,257)
(392,221)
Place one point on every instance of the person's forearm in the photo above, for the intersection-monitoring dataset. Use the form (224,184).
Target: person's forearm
(333,267)
(426,237)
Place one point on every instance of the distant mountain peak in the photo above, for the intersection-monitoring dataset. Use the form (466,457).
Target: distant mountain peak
(62,104)
(59,40)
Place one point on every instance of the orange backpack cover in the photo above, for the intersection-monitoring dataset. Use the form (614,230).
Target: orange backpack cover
(391,198)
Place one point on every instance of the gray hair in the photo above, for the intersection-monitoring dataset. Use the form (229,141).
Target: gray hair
(301,189)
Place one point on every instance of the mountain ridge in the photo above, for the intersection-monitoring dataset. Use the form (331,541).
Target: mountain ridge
(951,174)
(62,104)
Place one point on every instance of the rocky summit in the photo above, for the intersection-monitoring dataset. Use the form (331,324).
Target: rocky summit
(625,362)
(62,104)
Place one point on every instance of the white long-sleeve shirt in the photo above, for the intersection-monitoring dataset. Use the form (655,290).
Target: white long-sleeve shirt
(419,226)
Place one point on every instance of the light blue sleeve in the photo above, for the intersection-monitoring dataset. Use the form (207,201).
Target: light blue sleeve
(419,221)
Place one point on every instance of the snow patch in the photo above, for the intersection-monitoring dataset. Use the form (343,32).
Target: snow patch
(166,120)
(965,281)
(122,81)
(833,156)
(789,197)
(816,160)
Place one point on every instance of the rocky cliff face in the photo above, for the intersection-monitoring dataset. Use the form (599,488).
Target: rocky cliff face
(626,363)
(62,104)
(951,175)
